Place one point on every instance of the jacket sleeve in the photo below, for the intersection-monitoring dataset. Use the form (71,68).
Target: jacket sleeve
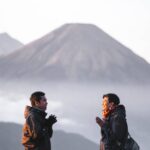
(50,131)
(49,128)
(36,129)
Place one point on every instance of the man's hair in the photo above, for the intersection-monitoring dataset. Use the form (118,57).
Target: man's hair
(36,97)
(112,98)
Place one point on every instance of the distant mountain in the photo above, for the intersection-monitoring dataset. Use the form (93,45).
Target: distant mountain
(76,52)
(10,138)
(8,44)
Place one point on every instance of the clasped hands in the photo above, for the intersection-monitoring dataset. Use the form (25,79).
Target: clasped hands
(51,120)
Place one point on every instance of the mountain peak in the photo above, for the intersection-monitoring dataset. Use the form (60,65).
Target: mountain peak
(4,34)
(8,44)
(77,52)
(79,25)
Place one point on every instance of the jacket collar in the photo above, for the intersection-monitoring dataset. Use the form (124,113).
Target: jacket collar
(39,111)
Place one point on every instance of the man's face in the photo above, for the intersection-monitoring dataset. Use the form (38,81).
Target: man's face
(42,104)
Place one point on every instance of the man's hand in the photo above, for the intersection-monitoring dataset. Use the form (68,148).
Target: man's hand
(52,119)
(99,121)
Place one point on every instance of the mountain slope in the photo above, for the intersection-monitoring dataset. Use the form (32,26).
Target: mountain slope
(8,44)
(76,52)
(60,140)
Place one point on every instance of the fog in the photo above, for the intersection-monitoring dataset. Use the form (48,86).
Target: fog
(77,105)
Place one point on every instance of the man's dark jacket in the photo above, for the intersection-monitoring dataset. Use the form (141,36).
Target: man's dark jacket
(36,130)
(115,130)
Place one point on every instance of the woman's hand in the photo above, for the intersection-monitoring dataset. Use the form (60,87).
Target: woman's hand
(99,121)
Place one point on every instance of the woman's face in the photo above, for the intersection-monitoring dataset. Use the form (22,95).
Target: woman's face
(105,107)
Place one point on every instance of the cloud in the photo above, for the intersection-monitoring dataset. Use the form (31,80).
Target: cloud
(69,122)
(12,107)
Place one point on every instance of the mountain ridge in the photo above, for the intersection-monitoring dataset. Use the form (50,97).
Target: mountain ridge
(60,140)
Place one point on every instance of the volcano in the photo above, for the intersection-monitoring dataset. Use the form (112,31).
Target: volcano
(76,52)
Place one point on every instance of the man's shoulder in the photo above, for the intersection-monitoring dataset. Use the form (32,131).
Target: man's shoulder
(32,115)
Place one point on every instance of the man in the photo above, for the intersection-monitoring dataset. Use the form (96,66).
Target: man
(114,129)
(37,130)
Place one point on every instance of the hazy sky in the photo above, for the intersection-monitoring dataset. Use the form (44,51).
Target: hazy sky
(126,20)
